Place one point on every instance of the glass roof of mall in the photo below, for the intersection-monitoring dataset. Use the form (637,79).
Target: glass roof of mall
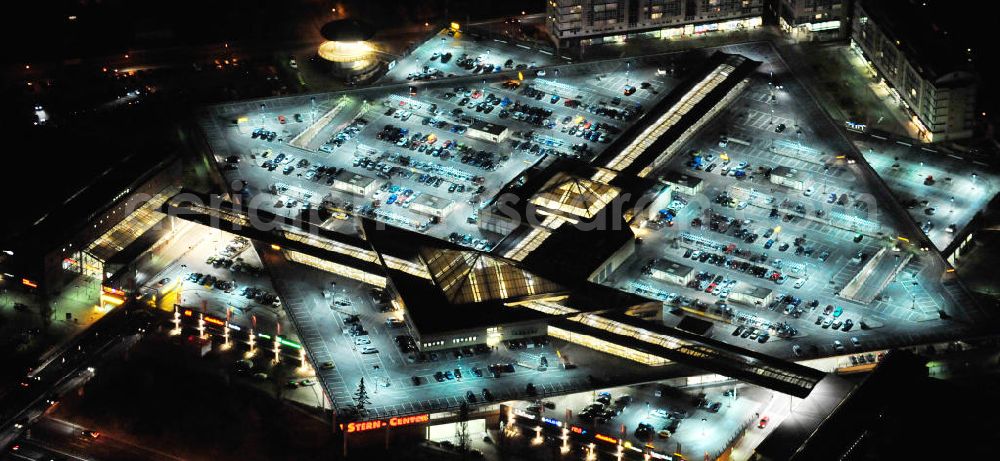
(578,197)
(471,277)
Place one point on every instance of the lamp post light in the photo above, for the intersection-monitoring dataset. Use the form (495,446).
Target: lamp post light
(277,349)
(176,321)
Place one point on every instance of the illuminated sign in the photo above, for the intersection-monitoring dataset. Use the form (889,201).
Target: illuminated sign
(605,438)
(188,312)
(554,422)
(112,300)
(292,344)
(855,126)
(455,26)
(111,296)
(407,420)
(29,283)
(820,26)
(578,430)
(523,414)
(281,340)
(215,321)
(364,426)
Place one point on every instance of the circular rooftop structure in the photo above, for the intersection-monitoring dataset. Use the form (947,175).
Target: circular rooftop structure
(347,30)
(347,51)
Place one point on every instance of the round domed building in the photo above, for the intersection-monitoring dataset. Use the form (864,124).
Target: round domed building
(347,50)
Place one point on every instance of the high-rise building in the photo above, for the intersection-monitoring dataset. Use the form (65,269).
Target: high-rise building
(922,67)
(814,19)
(585,22)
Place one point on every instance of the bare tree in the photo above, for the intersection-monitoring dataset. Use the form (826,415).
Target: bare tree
(462,428)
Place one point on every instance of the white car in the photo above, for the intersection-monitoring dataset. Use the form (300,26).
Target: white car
(800,282)
(838,346)
(808,192)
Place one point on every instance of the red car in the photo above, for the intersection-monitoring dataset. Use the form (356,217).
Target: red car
(282,119)
(711,287)
(763,422)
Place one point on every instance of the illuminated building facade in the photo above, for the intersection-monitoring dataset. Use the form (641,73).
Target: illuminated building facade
(923,70)
(93,227)
(487,131)
(788,177)
(353,183)
(814,19)
(586,22)
(672,272)
(432,205)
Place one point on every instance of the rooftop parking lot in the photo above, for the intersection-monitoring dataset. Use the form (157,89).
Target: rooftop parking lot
(784,207)
(345,322)
(804,238)
(215,272)
(433,141)
(941,191)
(449,53)
(351,332)
(667,419)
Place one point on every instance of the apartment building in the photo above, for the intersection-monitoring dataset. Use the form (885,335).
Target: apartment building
(924,70)
(585,22)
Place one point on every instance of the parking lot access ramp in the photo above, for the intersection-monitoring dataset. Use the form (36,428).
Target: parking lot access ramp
(632,337)
(299,311)
(876,274)
(303,139)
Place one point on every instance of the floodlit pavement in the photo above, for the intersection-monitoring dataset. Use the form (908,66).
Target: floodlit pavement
(906,310)
(700,431)
(320,320)
(297,183)
(958,187)
(496,52)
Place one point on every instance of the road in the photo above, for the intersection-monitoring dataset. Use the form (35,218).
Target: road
(54,436)
(68,369)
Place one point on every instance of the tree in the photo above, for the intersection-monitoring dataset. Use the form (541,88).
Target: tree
(361,397)
(462,428)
